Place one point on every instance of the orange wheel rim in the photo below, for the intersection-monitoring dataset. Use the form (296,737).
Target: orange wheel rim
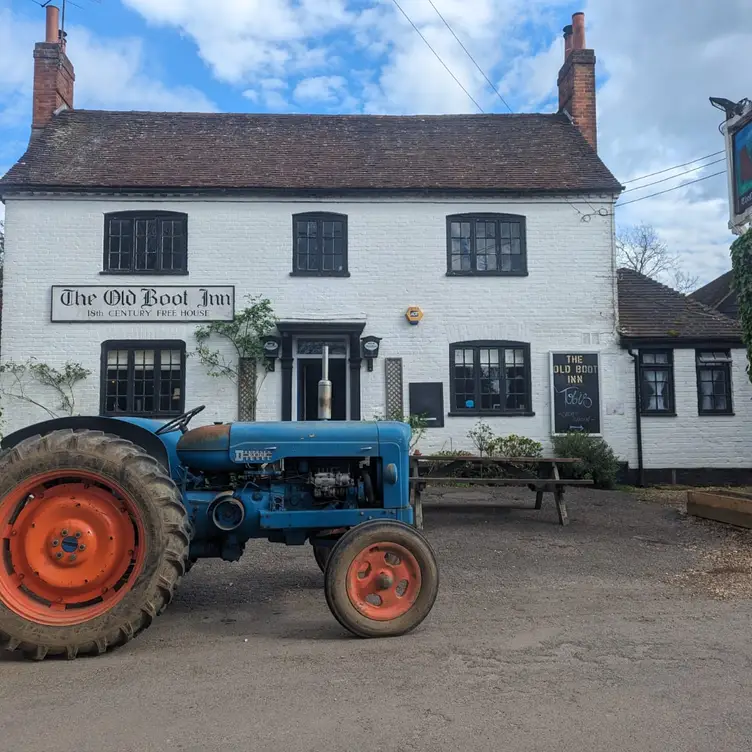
(383,581)
(71,547)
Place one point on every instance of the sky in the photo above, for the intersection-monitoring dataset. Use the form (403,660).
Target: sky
(657,65)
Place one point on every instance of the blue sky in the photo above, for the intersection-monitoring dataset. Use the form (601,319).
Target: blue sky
(657,66)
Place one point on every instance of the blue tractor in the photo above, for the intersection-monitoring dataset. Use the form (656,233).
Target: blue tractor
(100,518)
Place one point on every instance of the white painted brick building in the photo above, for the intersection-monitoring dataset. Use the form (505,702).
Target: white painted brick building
(408,202)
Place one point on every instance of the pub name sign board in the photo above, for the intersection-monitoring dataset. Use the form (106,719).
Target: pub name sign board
(129,303)
(575,393)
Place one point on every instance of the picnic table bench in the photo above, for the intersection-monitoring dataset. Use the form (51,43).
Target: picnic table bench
(547,480)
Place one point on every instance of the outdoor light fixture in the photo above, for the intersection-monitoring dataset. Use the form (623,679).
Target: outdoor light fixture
(370,349)
(730,108)
(271,351)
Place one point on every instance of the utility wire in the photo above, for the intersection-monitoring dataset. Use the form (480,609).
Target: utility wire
(438,57)
(490,83)
(675,167)
(673,177)
(668,190)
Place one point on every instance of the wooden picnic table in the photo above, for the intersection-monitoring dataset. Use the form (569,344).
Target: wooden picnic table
(547,480)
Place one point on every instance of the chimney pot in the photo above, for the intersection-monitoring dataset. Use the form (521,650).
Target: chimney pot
(578,24)
(53,24)
(567,40)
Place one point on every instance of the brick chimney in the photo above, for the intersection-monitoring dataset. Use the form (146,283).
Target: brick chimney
(577,80)
(53,75)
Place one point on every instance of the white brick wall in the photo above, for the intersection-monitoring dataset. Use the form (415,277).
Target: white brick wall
(397,258)
(690,440)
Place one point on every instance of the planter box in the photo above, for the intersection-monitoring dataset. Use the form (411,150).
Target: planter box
(721,506)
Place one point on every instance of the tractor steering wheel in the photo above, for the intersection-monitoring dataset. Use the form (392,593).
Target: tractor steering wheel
(181,422)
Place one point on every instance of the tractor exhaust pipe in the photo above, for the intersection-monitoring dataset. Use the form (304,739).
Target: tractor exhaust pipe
(325,387)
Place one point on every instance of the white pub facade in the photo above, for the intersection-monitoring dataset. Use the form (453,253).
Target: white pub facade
(462,267)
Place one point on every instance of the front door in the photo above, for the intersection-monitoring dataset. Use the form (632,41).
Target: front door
(309,375)
(309,370)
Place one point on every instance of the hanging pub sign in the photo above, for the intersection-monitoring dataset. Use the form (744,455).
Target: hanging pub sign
(126,303)
(575,393)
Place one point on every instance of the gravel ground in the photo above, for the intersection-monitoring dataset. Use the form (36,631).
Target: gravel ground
(605,635)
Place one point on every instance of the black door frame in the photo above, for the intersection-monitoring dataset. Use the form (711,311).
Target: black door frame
(290,329)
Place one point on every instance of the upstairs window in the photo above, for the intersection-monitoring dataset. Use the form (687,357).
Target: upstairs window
(486,244)
(657,382)
(714,382)
(146,243)
(143,378)
(320,245)
(491,378)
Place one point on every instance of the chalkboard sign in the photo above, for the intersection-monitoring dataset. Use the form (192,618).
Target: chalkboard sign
(576,395)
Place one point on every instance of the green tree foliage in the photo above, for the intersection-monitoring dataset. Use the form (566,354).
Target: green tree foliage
(741,263)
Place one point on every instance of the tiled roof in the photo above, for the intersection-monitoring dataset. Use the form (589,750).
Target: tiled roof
(254,152)
(650,310)
(716,291)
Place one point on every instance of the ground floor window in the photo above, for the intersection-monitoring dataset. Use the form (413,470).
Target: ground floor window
(714,382)
(490,377)
(657,377)
(143,378)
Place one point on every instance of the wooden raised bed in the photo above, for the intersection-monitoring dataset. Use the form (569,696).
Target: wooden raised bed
(722,506)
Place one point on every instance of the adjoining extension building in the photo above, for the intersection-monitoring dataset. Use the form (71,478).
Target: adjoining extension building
(460,266)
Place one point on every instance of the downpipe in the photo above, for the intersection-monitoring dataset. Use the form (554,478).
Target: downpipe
(638,418)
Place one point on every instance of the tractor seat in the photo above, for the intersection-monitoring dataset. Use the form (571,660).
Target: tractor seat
(215,438)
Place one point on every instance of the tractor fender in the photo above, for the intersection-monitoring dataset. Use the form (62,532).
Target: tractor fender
(142,437)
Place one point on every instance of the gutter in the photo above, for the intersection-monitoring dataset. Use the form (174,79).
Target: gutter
(638,419)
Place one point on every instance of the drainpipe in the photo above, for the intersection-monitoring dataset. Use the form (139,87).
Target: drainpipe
(638,419)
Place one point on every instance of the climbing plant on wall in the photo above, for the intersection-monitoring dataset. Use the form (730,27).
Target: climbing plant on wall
(741,261)
(245,334)
(18,377)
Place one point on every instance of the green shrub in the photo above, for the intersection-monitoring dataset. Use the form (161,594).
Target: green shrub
(516,446)
(598,461)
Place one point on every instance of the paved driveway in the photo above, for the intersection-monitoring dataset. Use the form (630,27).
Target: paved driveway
(591,637)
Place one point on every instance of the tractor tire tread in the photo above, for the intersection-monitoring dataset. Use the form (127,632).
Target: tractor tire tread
(96,449)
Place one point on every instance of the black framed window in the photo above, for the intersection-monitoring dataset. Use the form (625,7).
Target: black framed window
(714,382)
(320,245)
(490,378)
(146,243)
(486,244)
(657,382)
(143,378)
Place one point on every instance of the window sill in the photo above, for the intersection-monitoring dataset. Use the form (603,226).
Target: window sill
(319,274)
(658,415)
(491,414)
(142,274)
(716,415)
(451,273)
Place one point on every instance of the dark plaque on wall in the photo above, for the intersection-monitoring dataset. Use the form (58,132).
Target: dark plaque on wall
(575,392)
(427,399)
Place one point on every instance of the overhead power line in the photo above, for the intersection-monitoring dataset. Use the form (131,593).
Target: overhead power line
(490,83)
(673,177)
(675,167)
(438,57)
(668,190)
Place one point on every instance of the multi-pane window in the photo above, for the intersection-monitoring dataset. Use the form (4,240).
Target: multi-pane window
(143,378)
(490,377)
(320,244)
(492,244)
(657,382)
(714,381)
(146,243)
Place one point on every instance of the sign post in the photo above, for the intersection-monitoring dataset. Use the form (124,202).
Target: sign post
(575,393)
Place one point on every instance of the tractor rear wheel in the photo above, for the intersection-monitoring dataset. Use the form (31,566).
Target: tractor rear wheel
(381,579)
(94,540)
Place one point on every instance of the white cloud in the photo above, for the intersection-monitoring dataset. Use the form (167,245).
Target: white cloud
(111,73)
(321,89)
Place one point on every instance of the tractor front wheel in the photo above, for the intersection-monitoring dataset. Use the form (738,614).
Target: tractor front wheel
(381,579)
(94,540)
